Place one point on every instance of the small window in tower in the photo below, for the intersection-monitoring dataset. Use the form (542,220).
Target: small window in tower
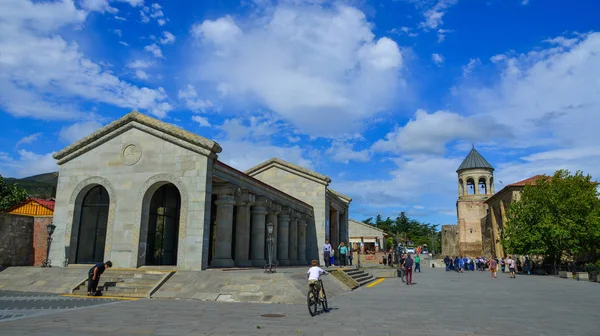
(470,187)
(482,186)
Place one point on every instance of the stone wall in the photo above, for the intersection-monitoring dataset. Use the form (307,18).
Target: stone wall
(16,240)
(471,213)
(449,240)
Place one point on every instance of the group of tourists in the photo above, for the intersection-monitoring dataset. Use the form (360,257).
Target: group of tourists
(346,254)
(460,264)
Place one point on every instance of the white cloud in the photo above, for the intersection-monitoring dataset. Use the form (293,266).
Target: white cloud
(524,2)
(420,179)
(437,59)
(120,18)
(27,164)
(168,38)
(191,100)
(252,128)
(433,16)
(473,63)
(118,32)
(28,139)
(203,122)
(98,6)
(245,154)
(124,43)
(139,64)
(161,22)
(430,133)
(441,34)
(77,131)
(152,12)
(343,152)
(303,62)
(141,74)
(37,63)
(154,49)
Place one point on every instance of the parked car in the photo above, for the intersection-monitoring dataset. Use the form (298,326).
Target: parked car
(410,250)
(424,250)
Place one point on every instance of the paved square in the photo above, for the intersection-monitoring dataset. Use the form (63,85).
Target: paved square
(441,303)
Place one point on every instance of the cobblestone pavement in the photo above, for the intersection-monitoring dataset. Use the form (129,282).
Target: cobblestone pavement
(441,303)
(18,305)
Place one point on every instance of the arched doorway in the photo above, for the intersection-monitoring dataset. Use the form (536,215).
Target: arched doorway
(92,226)
(163,226)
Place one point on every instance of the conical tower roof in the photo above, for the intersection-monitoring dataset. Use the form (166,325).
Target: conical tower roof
(474,160)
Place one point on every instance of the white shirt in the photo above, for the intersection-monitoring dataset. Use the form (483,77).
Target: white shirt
(315,272)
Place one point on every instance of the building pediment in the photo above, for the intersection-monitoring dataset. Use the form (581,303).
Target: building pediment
(165,131)
(290,167)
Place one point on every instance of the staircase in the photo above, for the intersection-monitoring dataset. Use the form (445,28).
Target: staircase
(360,276)
(128,283)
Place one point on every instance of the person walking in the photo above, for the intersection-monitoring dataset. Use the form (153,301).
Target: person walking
(502,265)
(512,265)
(327,253)
(408,266)
(350,256)
(343,251)
(527,266)
(401,269)
(493,264)
(417,263)
(447,262)
(94,276)
(389,258)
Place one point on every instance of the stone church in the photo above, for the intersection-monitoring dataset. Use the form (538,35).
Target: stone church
(142,192)
(475,186)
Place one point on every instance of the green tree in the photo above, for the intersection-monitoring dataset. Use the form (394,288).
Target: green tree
(10,194)
(558,217)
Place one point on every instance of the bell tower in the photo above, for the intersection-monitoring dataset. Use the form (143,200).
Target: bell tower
(475,185)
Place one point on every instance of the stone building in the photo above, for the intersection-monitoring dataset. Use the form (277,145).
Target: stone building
(368,236)
(475,186)
(496,215)
(449,240)
(142,192)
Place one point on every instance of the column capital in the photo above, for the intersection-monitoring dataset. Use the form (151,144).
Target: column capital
(275,209)
(226,189)
(224,199)
(245,198)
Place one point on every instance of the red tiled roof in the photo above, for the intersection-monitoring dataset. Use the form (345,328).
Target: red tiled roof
(45,203)
(532,180)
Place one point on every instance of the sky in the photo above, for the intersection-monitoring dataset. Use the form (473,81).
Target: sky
(385,97)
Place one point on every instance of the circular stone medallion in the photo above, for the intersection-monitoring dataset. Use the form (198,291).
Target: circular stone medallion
(131,154)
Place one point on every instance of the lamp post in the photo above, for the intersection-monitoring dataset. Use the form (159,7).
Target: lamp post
(270,267)
(50,228)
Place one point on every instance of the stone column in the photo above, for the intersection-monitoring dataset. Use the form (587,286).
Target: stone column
(274,210)
(257,240)
(293,241)
(242,229)
(302,239)
(283,232)
(224,225)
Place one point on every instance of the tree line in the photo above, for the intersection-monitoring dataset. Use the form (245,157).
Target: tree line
(403,229)
(557,218)
(11,194)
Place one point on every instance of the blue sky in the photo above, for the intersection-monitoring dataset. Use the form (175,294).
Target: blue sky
(385,97)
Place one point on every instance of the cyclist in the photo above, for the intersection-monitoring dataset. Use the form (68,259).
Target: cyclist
(314,273)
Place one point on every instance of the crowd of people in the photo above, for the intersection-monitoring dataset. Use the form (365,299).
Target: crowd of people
(462,263)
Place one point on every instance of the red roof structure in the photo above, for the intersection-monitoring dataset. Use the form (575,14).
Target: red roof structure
(45,203)
(532,180)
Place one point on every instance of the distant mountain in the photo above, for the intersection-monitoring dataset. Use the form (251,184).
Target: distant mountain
(41,186)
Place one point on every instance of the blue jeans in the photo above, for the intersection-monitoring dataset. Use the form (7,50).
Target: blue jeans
(447,267)
(418,267)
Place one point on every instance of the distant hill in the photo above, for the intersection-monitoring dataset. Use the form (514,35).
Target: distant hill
(41,186)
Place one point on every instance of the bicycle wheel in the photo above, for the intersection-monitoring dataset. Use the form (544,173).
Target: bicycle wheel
(324,300)
(312,301)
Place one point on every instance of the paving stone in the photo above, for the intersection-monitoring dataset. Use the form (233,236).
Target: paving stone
(440,304)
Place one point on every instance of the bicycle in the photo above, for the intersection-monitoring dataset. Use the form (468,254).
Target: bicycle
(313,299)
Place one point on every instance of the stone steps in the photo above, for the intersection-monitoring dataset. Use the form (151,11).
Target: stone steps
(126,283)
(360,276)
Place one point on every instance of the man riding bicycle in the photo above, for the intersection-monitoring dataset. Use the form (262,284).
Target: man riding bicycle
(313,274)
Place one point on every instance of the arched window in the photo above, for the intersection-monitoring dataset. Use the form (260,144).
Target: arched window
(470,186)
(92,226)
(482,186)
